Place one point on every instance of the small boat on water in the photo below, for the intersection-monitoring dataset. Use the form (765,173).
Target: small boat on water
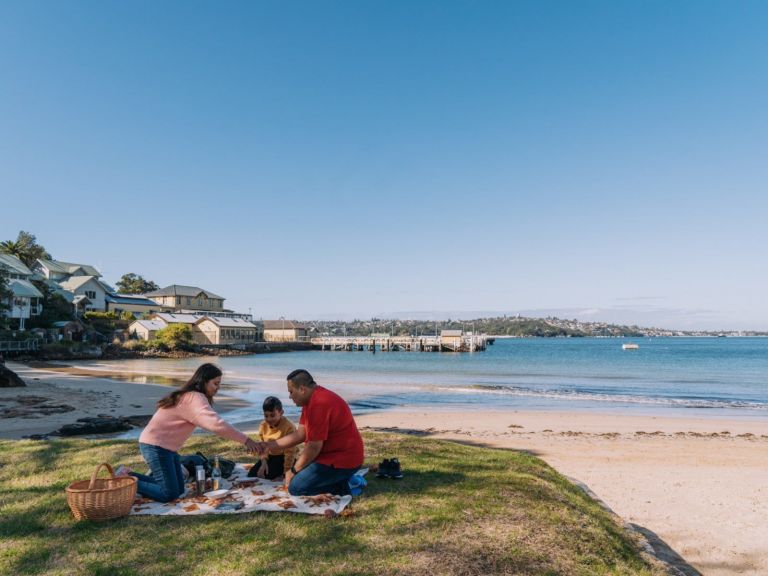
(630,346)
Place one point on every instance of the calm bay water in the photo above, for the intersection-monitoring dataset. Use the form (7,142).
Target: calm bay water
(666,376)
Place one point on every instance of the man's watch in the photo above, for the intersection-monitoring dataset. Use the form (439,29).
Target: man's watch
(293,470)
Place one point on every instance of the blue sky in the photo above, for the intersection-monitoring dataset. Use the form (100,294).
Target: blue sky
(604,160)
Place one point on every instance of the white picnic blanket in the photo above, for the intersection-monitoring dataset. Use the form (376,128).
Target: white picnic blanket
(254,494)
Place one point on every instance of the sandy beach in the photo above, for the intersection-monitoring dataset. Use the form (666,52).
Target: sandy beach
(699,484)
(55,397)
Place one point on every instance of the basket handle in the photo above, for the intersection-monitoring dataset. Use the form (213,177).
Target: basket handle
(96,473)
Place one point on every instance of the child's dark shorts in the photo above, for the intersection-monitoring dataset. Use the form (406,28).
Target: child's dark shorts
(276,466)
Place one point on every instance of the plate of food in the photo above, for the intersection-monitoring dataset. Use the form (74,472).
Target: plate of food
(216,494)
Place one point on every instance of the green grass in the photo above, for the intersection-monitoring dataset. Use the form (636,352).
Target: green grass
(459,510)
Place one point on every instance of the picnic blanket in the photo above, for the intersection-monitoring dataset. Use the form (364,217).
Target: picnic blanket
(253,493)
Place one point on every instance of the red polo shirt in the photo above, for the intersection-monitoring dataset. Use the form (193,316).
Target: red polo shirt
(327,417)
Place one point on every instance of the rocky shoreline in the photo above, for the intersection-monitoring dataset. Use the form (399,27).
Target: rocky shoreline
(116,352)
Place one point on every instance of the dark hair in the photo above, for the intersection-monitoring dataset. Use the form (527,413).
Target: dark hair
(204,374)
(272,403)
(301,377)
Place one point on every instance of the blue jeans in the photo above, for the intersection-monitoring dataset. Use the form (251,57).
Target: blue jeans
(167,480)
(321,479)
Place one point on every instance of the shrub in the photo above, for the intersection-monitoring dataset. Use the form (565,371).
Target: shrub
(142,345)
(94,315)
(176,336)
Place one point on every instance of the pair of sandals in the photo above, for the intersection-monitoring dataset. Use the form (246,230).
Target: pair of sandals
(390,468)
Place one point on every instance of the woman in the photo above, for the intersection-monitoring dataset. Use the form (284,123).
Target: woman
(176,418)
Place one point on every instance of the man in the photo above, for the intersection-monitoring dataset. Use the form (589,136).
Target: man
(333,449)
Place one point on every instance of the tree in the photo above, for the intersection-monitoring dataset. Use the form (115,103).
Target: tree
(55,307)
(25,248)
(134,284)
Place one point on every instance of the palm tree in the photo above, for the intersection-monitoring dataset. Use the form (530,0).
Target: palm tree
(25,248)
(11,247)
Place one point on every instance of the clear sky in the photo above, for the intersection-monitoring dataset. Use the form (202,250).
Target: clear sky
(601,159)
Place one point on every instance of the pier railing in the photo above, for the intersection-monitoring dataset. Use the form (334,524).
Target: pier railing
(31,345)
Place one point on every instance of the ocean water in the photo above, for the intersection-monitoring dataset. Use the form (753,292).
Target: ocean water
(724,377)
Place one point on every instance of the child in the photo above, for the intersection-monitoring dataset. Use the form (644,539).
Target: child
(276,463)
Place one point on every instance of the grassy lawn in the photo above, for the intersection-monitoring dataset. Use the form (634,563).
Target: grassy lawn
(459,510)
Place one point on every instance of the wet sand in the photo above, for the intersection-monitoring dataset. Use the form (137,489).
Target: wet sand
(55,397)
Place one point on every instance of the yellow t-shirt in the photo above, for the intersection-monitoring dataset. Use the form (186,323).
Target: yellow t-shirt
(283,428)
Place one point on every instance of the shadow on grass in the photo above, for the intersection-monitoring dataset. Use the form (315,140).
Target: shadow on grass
(418,433)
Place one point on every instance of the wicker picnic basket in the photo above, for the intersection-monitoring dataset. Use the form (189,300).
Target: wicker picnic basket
(101,498)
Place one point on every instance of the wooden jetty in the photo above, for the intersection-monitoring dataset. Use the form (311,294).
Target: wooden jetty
(388,343)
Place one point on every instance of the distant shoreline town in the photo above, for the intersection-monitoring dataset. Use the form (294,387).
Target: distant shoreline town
(55,308)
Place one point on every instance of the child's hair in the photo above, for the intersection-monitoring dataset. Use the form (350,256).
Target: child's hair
(272,403)
(204,374)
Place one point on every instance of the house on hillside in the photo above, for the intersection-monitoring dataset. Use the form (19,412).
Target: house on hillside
(225,331)
(25,300)
(284,331)
(59,271)
(177,297)
(133,303)
(91,288)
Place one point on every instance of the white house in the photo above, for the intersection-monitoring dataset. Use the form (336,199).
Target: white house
(59,271)
(25,299)
(90,287)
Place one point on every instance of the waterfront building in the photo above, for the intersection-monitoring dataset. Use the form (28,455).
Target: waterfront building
(225,331)
(284,331)
(145,329)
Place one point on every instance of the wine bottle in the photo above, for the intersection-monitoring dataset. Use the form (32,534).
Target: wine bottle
(216,474)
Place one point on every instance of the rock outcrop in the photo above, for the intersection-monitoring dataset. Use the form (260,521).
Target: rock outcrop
(9,378)
(103,424)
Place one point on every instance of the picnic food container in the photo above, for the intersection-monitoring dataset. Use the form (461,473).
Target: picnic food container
(101,498)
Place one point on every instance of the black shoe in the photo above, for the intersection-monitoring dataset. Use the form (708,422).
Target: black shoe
(384,468)
(394,469)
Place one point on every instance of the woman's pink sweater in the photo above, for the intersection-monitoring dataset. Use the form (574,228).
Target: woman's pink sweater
(171,427)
